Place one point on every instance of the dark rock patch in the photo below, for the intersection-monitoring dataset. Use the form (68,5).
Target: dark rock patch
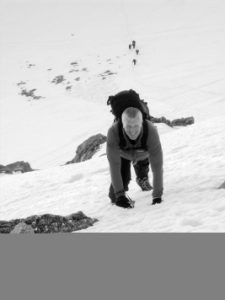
(175,122)
(48,223)
(30,93)
(17,167)
(106,73)
(75,63)
(222,186)
(21,83)
(88,148)
(58,79)
(30,65)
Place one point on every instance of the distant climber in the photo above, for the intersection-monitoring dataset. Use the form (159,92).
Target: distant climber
(137,51)
(134,61)
(130,46)
(134,44)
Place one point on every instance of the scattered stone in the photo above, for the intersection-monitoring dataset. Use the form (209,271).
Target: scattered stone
(69,87)
(77,79)
(74,63)
(31,65)
(48,223)
(107,73)
(58,79)
(21,83)
(88,148)
(30,93)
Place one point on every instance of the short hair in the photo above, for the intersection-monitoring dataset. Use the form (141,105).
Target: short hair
(131,112)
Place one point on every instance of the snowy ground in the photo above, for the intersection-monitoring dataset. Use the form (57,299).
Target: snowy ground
(180,72)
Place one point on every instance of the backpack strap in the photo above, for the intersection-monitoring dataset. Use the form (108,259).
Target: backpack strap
(122,142)
(145,135)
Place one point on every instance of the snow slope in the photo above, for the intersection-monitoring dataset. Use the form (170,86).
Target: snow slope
(180,72)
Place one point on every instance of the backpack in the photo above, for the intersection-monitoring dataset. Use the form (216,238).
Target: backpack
(123,100)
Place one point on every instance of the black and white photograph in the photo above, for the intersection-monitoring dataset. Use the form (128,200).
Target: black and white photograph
(112,116)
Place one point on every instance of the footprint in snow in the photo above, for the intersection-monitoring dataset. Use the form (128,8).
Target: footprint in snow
(191,222)
(75,178)
(220,208)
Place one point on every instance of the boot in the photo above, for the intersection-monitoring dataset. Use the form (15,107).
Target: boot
(144,184)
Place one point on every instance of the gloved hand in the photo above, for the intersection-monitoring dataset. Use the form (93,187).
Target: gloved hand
(156,200)
(124,201)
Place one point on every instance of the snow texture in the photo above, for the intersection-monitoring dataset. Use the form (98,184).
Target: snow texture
(179,72)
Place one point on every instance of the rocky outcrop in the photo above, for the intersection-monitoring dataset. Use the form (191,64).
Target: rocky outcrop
(17,167)
(30,94)
(48,223)
(175,122)
(222,186)
(58,79)
(22,228)
(88,148)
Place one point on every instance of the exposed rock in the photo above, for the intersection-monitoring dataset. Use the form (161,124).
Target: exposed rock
(88,148)
(48,223)
(74,63)
(106,73)
(222,186)
(175,122)
(22,228)
(17,167)
(30,93)
(5,226)
(183,121)
(21,83)
(31,65)
(58,79)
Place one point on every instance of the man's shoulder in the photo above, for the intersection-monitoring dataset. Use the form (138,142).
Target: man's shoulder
(114,127)
(150,125)
(113,131)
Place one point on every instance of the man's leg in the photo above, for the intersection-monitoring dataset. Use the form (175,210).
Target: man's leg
(141,170)
(125,172)
(126,177)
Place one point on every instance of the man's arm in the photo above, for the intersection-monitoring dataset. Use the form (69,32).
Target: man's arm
(156,160)
(113,155)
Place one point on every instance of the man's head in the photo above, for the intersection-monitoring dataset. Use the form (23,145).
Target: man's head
(132,120)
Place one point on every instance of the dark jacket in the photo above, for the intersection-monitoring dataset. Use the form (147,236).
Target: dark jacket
(153,152)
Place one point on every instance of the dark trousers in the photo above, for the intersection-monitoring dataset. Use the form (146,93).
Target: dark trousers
(141,169)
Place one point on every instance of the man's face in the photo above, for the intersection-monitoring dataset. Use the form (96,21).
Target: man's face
(132,126)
